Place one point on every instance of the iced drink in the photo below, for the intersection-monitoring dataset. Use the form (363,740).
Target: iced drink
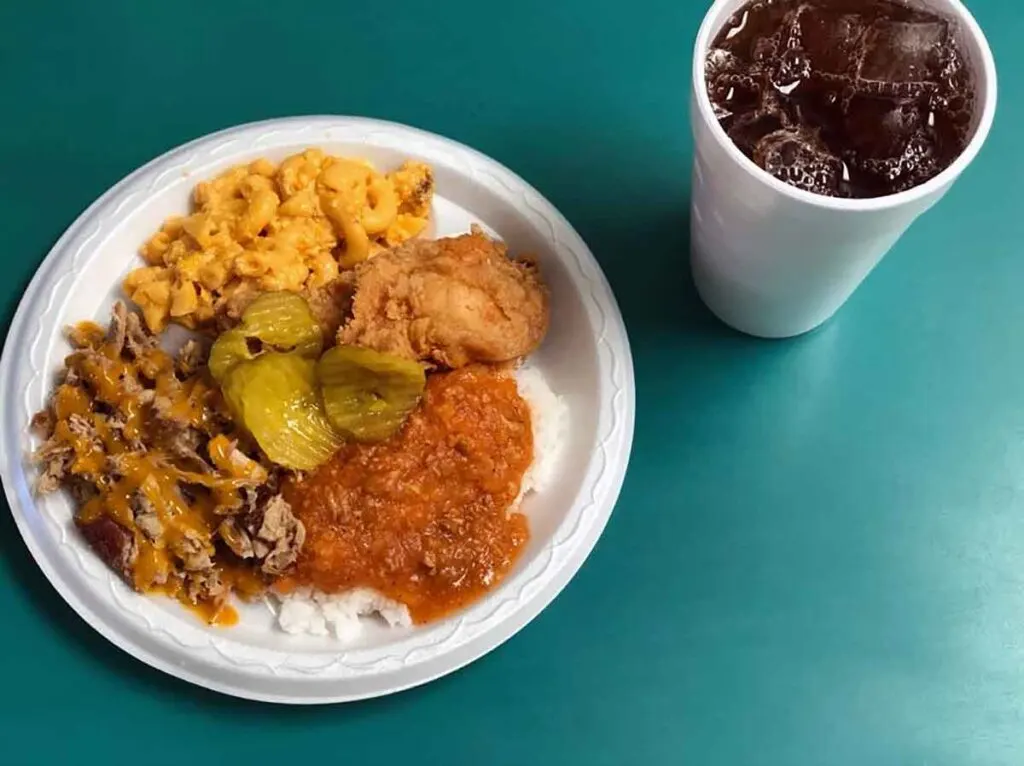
(846,98)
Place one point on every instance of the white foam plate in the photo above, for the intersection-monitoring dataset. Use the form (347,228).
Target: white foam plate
(585,358)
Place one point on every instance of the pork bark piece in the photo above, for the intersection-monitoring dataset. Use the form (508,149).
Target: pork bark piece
(114,544)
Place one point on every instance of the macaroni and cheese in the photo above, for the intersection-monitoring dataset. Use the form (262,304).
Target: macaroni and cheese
(260,227)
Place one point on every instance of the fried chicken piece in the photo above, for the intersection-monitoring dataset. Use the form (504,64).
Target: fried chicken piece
(330,304)
(450,301)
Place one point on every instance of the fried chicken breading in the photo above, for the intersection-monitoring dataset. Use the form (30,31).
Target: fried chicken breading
(449,301)
(331,303)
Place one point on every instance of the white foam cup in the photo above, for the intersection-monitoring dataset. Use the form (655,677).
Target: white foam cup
(775,261)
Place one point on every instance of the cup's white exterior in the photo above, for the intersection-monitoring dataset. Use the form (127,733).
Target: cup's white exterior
(775,261)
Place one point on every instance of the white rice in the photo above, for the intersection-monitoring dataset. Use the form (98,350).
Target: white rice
(320,614)
(550,421)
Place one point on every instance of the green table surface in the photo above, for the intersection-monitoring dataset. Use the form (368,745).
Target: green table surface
(818,553)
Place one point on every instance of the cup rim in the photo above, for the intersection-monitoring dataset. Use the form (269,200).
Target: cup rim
(986,68)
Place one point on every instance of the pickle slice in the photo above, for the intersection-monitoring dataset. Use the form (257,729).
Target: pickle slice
(275,397)
(367,394)
(278,321)
(228,350)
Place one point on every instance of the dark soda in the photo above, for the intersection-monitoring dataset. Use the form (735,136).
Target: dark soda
(847,98)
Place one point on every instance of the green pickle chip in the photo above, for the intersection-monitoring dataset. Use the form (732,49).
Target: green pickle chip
(278,321)
(275,397)
(368,394)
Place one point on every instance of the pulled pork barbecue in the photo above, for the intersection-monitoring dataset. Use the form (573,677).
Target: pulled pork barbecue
(168,492)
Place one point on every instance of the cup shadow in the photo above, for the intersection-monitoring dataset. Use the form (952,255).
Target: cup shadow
(653,284)
(634,214)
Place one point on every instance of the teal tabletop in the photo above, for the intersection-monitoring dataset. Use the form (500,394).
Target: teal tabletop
(818,553)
